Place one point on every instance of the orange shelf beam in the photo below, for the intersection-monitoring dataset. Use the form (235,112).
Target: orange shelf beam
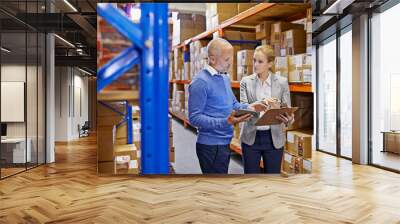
(180,81)
(235,84)
(302,88)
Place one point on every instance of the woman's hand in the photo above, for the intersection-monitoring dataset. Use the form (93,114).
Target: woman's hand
(272,103)
(285,118)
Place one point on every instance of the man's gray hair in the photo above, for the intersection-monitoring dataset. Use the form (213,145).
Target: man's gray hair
(215,46)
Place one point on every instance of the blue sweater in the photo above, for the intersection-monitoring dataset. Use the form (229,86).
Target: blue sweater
(211,101)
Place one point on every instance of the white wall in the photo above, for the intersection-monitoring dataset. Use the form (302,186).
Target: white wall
(71,93)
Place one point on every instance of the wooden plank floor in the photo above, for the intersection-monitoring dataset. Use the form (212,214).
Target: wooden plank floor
(69,191)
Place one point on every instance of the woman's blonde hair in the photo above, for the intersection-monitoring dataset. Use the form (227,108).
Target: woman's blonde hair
(269,53)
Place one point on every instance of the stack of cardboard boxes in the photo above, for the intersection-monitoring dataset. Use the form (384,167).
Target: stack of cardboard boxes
(244,63)
(299,67)
(114,155)
(298,153)
(278,35)
(186,26)
(216,13)
(290,42)
(263,32)
(178,64)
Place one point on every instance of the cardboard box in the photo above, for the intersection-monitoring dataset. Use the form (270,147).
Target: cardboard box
(186,26)
(278,28)
(243,71)
(299,143)
(232,35)
(294,41)
(105,143)
(265,42)
(392,142)
(245,57)
(294,164)
(263,30)
(248,35)
(233,69)
(287,162)
(277,49)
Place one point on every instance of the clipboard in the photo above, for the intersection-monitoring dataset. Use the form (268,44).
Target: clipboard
(269,117)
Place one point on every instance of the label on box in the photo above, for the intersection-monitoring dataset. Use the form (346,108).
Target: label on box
(288,157)
(307,165)
(290,137)
(133,164)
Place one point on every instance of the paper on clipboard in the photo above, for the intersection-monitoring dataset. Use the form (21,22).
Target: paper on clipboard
(269,117)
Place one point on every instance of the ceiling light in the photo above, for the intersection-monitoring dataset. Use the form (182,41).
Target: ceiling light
(5,50)
(70,5)
(65,41)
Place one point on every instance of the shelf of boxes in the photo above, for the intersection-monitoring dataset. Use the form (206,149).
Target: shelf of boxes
(286,27)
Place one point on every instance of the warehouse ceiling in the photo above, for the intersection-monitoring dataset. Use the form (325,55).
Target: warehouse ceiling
(74,22)
(327,21)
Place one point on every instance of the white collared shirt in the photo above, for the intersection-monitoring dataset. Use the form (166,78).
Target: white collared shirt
(263,91)
(211,70)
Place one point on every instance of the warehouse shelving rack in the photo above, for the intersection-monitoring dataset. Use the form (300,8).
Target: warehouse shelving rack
(248,19)
(149,50)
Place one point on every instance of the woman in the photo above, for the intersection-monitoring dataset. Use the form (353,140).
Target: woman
(264,142)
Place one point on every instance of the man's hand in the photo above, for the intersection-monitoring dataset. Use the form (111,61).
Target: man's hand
(232,120)
(258,106)
(285,118)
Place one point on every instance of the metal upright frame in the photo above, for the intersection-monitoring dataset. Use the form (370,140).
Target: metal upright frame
(150,51)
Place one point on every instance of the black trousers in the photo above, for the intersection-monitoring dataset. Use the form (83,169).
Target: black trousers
(213,158)
(263,147)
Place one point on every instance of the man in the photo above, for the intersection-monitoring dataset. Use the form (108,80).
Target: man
(211,108)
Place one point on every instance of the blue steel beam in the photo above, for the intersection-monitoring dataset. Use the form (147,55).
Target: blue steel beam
(128,118)
(116,67)
(122,23)
(154,89)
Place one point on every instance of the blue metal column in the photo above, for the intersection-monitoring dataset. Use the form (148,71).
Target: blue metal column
(128,118)
(154,89)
